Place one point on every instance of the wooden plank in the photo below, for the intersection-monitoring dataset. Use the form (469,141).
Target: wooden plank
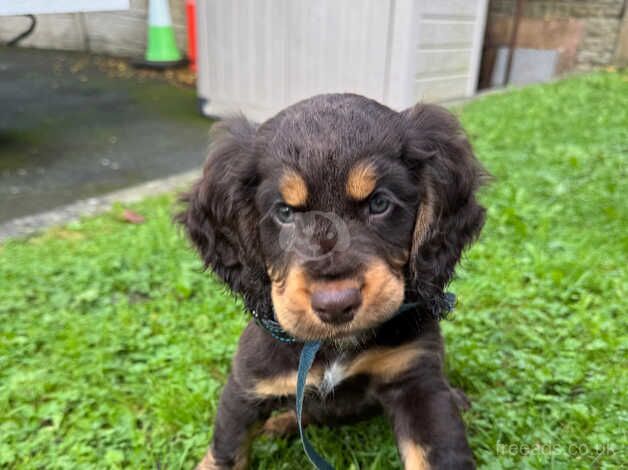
(449,8)
(431,62)
(441,88)
(445,33)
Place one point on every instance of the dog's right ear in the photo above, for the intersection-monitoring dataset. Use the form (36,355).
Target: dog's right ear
(219,214)
(449,218)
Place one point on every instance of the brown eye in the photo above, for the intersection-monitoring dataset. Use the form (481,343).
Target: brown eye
(284,214)
(379,204)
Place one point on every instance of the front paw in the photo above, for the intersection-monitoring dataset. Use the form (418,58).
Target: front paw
(281,425)
(417,456)
(208,462)
(211,463)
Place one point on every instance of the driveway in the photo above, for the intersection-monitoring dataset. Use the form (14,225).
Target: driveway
(70,130)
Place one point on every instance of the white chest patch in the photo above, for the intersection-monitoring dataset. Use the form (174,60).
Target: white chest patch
(333,375)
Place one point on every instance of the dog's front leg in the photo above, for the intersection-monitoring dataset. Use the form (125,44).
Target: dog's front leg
(235,419)
(428,428)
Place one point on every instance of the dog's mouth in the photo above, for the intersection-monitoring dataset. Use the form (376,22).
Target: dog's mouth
(336,309)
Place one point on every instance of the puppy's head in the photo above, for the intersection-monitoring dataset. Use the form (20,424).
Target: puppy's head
(334,211)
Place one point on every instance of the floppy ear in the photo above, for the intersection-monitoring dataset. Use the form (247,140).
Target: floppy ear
(220,216)
(448,217)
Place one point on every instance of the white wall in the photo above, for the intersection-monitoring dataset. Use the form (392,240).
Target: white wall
(117,33)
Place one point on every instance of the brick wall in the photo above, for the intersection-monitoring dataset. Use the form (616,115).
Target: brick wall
(118,33)
(600,44)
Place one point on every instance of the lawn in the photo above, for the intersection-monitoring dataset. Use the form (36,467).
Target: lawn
(114,345)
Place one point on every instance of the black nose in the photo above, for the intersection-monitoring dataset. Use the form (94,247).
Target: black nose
(336,305)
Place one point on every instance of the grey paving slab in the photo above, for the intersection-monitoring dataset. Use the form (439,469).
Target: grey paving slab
(32,224)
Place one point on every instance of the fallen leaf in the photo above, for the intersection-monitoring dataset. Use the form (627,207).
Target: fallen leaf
(132,217)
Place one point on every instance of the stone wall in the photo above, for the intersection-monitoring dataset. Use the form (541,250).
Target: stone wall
(600,44)
(118,33)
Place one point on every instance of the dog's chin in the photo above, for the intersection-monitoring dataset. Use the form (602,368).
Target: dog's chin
(305,326)
(341,338)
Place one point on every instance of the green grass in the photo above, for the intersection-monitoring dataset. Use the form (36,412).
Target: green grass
(114,345)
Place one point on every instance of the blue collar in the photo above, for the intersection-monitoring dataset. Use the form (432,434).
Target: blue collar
(308,354)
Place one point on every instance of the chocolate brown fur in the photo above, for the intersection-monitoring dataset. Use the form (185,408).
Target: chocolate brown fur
(336,241)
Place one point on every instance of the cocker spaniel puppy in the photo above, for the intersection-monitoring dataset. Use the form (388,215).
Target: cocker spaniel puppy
(339,220)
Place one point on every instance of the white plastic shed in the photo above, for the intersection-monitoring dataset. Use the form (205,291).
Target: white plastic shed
(258,56)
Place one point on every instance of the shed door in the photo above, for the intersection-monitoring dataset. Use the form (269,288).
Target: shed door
(258,56)
(336,46)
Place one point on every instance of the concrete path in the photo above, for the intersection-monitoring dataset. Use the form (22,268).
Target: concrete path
(70,131)
(35,223)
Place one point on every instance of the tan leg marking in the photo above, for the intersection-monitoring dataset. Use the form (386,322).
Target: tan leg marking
(286,384)
(241,458)
(208,462)
(414,456)
(293,189)
(281,425)
(387,363)
(361,181)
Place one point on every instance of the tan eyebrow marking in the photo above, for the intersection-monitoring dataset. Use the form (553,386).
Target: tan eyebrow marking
(293,188)
(361,181)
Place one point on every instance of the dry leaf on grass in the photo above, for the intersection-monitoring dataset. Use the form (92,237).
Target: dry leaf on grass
(132,217)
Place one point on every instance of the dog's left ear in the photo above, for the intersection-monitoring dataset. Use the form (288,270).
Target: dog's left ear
(220,217)
(449,217)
